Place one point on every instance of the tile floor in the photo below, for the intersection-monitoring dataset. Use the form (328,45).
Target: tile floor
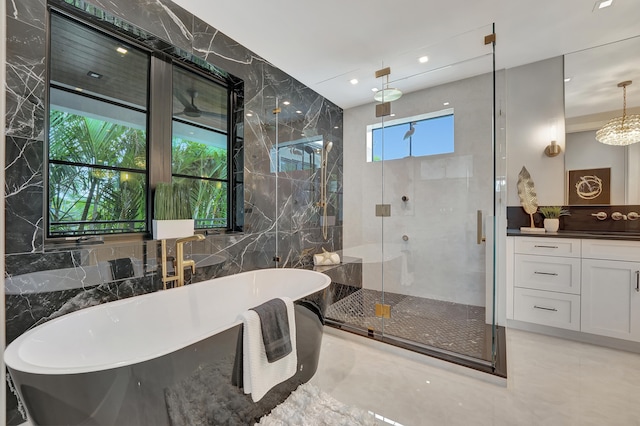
(445,325)
(550,382)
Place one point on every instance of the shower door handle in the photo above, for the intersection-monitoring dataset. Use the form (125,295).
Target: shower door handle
(480,238)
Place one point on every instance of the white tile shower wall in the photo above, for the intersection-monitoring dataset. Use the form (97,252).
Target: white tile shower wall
(441,259)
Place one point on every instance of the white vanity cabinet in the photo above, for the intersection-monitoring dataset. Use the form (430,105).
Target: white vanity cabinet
(611,289)
(546,280)
(586,285)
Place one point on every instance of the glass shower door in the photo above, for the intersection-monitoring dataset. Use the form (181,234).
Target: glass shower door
(437,172)
(417,201)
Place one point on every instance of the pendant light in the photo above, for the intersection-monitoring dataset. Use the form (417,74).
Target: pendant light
(387,94)
(621,131)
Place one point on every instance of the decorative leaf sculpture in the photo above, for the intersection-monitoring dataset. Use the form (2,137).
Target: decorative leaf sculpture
(527,193)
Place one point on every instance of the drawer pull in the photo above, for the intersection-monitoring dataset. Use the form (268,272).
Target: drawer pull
(554,247)
(546,273)
(638,281)
(545,309)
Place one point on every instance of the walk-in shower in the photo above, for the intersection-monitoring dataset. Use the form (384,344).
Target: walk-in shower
(405,191)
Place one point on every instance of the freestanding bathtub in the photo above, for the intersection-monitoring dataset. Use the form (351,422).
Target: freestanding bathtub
(162,358)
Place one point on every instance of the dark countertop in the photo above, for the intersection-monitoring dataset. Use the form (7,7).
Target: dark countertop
(596,235)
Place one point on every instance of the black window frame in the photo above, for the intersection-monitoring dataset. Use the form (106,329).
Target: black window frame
(159,113)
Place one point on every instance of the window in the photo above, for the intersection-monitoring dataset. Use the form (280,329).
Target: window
(426,134)
(104,155)
(199,146)
(97,133)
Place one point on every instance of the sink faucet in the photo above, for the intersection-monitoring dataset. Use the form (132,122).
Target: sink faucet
(180,262)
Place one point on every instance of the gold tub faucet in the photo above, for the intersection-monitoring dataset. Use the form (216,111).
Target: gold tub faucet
(180,262)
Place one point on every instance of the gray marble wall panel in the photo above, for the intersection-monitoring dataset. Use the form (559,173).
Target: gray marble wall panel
(23,195)
(289,221)
(25,79)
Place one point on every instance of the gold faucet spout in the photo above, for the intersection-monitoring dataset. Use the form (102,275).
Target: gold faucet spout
(195,237)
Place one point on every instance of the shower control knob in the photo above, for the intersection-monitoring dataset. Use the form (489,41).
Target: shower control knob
(600,215)
(405,198)
(632,216)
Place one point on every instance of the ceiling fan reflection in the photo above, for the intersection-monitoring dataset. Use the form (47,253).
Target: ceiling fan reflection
(190,108)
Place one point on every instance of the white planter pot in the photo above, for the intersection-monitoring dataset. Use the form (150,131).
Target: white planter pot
(551,225)
(167,229)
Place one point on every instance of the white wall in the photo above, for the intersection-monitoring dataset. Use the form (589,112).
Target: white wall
(443,259)
(585,152)
(535,105)
(633,174)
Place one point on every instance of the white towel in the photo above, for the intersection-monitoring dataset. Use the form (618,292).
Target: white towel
(258,374)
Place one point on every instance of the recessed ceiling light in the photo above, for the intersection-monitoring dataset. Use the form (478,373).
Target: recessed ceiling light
(392,115)
(94,74)
(249,114)
(298,112)
(423,59)
(336,127)
(353,81)
(121,50)
(286,102)
(79,89)
(568,79)
(375,89)
(601,4)
(445,104)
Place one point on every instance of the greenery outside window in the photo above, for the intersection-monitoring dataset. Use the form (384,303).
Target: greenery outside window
(199,153)
(106,150)
(97,132)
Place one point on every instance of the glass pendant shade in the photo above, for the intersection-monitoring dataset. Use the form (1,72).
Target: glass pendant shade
(620,131)
(388,94)
(623,130)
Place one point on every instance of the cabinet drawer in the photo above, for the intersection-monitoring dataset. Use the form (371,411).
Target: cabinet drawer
(547,308)
(566,247)
(611,250)
(548,273)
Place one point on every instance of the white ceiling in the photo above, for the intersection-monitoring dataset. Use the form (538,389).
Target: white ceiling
(324,44)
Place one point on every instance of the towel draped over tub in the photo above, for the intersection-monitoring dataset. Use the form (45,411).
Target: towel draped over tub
(259,375)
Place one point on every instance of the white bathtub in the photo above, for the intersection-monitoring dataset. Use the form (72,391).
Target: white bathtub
(118,346)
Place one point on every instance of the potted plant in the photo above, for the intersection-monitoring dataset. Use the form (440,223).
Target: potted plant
(552,217)
(173,216)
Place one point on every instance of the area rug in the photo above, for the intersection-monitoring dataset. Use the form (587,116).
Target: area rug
(308,405)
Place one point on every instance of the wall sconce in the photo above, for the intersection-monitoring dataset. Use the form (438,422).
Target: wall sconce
(552,149)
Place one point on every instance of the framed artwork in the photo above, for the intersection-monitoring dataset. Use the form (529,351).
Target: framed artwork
(589,186)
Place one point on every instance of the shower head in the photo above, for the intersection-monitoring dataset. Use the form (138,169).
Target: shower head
(327,147)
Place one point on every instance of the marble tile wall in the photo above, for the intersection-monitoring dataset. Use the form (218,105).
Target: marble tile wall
(288,221)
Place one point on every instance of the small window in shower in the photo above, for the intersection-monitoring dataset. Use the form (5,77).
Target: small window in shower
(417,136)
